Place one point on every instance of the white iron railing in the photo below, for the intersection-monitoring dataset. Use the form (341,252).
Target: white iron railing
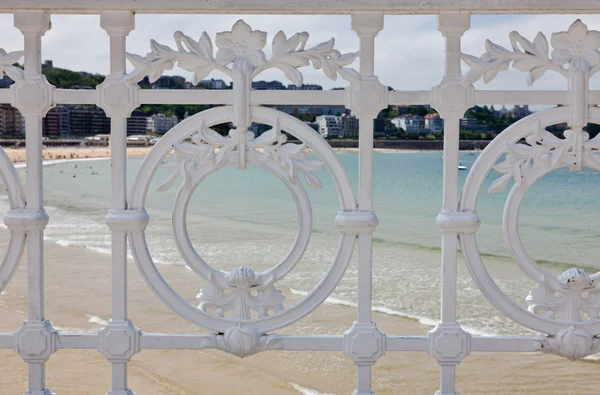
(242,308)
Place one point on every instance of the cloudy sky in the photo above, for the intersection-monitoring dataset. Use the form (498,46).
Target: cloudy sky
(409,53)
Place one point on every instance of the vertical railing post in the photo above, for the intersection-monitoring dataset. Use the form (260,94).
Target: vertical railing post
(448,343)
(364,343)
(33,96)
(118,99)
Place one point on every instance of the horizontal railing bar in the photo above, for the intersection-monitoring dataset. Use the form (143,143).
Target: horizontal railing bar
(192,342)
(172,342)
(405,98)
(299,343)
(407,343)
(306,6)
(77,341)
(522,97)
(306,98)
(313,343)
(73,96)
(6,340)
(506,344)
(188,96)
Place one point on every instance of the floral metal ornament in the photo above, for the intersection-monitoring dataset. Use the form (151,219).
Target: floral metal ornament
(242,48)
(577,47)
(572,343)
(568,295)
(241,44)
(542,149)
(243,294)
(208,151)
(243,340)
(7,61)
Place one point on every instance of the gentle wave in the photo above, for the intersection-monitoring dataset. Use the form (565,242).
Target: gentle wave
(307,391)
(96,320)
(427,321)
(23,165)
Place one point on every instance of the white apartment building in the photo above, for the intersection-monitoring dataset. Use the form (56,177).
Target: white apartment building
(349,125)
(330,126)
(159,123)
(410,123)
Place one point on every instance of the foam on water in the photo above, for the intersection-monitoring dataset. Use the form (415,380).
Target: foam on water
(23,165)
(92,319)
(307,391)
(427,321)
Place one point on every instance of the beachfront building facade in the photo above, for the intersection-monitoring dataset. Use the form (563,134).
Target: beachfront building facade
(411,124)
(12,122)
(161,124)
(434,123)
(242,311)
(330,126)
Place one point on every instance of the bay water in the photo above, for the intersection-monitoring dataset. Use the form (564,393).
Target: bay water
(249,218)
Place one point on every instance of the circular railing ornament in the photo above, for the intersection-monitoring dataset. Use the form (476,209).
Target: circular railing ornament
(564,306)
(192,151)
(16,219)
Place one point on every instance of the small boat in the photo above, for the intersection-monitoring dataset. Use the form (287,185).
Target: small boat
(461,166)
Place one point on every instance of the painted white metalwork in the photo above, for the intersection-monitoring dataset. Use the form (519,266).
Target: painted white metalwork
(243,307)
(565,306)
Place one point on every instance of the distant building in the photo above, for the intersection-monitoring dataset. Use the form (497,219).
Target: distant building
(521,111)
(349,126)
(159,123)
(315,110)
(434,123)
(268,85)
(471,124)
(516,112)
(305,87)
(11,121)
(214,84)
(410,123)
(52,124)
(401,108)
(82,120)
(48,65)
(169,82)
(136,123)
(330,126)
(504,113)
(86,120)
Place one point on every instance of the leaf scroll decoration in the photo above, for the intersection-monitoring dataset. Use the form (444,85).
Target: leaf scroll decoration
(543,149)
(242,48)
(577,47)
(207,151)
(7,60)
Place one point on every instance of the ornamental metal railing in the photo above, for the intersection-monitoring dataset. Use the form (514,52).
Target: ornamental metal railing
(244,309)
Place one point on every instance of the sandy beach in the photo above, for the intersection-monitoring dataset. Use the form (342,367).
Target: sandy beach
(53,153)
(78,291)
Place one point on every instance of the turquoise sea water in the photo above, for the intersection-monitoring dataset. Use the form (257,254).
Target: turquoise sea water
(248,218)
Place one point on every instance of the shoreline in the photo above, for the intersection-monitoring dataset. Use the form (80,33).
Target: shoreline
(18,155)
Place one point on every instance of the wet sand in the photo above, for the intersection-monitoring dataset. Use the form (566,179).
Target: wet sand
(78,287)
